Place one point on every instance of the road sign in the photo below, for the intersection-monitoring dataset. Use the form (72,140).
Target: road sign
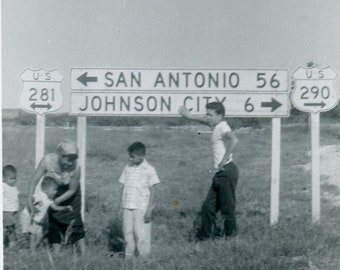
(41,92)
(198,80)
(166,104)
(314,89)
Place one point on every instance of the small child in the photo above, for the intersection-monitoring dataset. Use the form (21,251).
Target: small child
(137,201)
(42,200)
(10,204)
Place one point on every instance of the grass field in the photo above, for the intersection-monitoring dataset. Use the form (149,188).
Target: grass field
(182,159)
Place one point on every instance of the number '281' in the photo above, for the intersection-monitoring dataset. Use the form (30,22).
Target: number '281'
(44,94)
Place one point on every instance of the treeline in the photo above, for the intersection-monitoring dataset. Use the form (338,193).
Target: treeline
(62,119)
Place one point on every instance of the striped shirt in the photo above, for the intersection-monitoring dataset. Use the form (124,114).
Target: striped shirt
(137,181)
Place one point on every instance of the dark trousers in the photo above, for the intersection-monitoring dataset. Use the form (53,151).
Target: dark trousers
(221,196)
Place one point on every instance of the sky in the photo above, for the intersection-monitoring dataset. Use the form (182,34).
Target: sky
(183,34)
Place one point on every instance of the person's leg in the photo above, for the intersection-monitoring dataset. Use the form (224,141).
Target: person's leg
(12,236)
(77,238)
(5,237)
(143,233)
(81,246)
(226,186)
(55,233)
(33,242)
(128,232)
(8,222)
(56,247)
(208,213)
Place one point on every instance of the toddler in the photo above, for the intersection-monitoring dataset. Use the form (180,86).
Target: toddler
(33,223)
(10,204)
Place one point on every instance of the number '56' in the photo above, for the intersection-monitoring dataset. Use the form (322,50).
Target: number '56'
(262,82)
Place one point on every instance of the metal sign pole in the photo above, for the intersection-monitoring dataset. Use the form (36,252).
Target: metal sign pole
(275,171)
(40,139)
(315,140)
(81,141)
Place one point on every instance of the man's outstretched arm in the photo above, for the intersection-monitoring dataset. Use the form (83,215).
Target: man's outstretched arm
(187,114)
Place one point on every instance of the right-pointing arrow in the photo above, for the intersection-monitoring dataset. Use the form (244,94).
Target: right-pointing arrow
(84,79)
(274,104)
(320,104)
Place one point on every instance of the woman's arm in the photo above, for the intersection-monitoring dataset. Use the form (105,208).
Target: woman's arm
(59,207)
(74,185)
(39,172)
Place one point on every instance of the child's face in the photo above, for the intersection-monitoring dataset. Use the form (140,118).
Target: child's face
(213,118)
(10,178)
(135,159)
(51,192)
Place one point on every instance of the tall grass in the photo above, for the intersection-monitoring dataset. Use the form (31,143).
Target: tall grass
(182,159)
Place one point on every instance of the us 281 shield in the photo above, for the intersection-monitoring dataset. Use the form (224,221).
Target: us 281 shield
(41,90)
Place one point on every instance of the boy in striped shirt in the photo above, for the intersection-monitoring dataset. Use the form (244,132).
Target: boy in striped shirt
(137,201)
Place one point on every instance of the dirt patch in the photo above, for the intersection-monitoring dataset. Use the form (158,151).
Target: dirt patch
(330,163)
(329,170)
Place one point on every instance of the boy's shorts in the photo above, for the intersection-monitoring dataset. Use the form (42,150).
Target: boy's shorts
(9,218)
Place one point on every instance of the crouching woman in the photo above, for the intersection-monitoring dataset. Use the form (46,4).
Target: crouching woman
(65,227)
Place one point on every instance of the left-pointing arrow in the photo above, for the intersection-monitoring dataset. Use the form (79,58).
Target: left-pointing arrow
(84,79)
(274,104)
(47,106)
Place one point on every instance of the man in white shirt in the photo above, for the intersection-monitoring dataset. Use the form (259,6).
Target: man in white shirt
(221,195)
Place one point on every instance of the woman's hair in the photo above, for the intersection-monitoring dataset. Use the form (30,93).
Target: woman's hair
(67,148)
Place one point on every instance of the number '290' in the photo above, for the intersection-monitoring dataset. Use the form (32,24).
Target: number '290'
(315,92)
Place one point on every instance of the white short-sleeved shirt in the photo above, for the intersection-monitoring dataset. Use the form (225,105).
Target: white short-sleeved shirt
(10,198)
(41,203)
(217,142)
(137,181)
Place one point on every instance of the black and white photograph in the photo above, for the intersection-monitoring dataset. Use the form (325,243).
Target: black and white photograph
(170,134)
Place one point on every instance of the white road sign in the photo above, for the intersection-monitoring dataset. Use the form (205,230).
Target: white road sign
(314,89)
(166,104)
(198,80)
(41,92)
